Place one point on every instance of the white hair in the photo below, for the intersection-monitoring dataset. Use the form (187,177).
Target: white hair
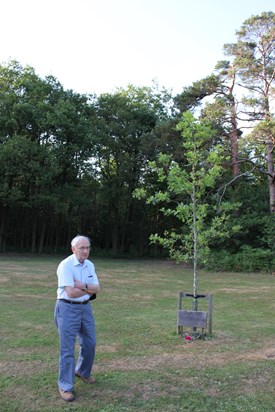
(78,238)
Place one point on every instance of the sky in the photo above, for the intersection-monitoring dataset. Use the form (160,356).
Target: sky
(96,46)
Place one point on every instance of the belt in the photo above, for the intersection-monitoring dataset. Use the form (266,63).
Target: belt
(74,302)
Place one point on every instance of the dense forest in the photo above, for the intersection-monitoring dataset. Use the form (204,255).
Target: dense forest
(73,163)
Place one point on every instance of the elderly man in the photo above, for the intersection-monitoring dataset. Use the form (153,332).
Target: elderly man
(77,285)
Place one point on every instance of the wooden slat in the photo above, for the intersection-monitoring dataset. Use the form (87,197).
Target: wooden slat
(192,318)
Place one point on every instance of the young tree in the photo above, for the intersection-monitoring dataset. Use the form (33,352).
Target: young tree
(189,197)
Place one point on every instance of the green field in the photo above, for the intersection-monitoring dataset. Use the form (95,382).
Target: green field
(142,364)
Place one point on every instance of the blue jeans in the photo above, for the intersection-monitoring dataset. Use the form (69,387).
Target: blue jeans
(74,321)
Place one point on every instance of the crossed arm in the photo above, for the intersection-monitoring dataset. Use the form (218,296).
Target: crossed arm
(79,289)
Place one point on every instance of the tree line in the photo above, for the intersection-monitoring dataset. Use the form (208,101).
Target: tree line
(70,163)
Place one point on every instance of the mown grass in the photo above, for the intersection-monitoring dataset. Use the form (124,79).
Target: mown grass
(141,363)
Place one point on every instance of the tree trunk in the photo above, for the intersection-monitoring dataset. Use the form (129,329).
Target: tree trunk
(33,239)
(234,128)
(2,226)
(42,236)
(271,174)
(195,246)
(234,141)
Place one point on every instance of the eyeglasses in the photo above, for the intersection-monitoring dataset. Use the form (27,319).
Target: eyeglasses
(84,248)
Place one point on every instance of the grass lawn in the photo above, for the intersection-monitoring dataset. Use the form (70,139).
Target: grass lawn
(142,364)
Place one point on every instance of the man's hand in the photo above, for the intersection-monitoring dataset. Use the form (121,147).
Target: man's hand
(79,285)
(87,288)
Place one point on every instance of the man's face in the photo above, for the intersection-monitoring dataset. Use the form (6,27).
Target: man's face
(82,250)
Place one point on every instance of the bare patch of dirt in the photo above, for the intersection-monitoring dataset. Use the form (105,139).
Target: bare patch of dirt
(241,291)
(4,279)
(197,355)
(22,368)
(186,359)
(107,348)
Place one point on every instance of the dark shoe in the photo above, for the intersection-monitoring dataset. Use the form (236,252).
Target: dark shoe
(90,380)
(66,396)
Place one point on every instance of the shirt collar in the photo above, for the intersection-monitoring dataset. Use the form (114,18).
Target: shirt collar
(76,261)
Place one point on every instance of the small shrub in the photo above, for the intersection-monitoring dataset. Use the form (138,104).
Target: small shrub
(248,259)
